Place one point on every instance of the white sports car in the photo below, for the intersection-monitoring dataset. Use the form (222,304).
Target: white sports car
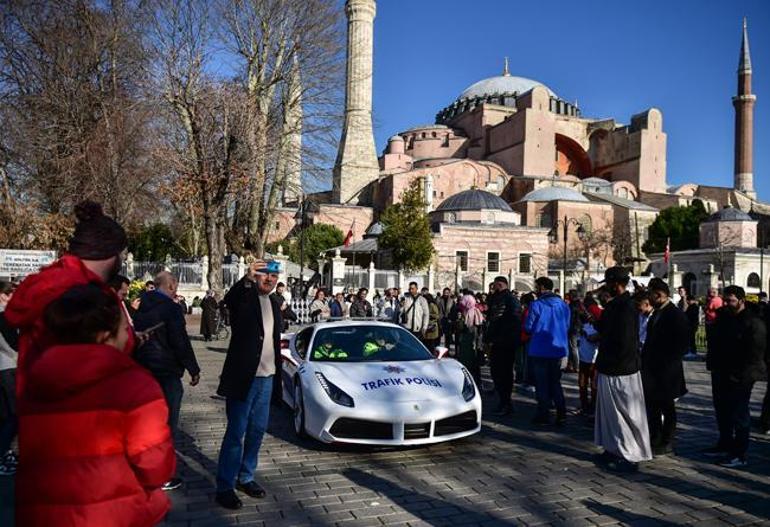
(374,383)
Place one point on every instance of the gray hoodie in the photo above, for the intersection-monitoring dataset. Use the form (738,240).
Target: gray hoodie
(8,355)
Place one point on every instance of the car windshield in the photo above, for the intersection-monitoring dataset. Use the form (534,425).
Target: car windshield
(367,344)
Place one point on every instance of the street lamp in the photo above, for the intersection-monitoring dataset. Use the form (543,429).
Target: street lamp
(553,238)
(300,218)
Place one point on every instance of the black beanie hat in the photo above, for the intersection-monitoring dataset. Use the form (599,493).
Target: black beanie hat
(96,236)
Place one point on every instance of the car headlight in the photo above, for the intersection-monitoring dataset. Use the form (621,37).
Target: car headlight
(469,388)
(334,392)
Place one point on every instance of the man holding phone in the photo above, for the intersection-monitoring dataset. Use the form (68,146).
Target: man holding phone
(250,378)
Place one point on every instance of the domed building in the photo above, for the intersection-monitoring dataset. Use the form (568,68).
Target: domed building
(532,149)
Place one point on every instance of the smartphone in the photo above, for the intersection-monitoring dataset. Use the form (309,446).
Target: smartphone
(153,329)
(271,267)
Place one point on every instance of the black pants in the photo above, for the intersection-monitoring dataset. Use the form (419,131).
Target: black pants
(731,404)
(661,419)
(501,368)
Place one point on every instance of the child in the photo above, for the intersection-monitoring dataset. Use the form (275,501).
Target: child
(94,444)
(588,345)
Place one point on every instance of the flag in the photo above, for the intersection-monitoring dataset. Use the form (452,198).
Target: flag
(349,235)
(667,254)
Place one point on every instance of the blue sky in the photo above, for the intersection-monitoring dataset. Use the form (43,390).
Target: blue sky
(615,58)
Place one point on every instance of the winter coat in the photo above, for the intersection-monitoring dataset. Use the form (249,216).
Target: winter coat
(245,349)
(25,310)
(547,323)
(432,332)
(445,306)
(619,343)
(503,316)
(168,352)
(361,309)
(209,312)
(740,344)
(415,314)
(667,342)
(94,444)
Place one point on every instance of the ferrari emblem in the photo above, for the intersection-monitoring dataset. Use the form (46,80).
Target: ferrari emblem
(394,369)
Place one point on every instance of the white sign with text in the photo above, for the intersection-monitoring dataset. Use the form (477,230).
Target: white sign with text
(19,262)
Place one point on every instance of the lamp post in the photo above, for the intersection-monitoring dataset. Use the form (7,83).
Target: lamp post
(553,238)
(300,218)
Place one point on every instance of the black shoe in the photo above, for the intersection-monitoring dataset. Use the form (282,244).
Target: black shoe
(561,419)
(229,500)
(172,484)
(252,489)
(621,465)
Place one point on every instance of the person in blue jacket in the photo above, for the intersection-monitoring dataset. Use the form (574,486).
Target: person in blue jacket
(547,324)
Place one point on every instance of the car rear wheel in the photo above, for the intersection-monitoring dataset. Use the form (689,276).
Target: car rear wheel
(299,410)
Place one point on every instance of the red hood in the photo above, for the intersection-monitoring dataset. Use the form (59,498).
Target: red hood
(62,371)
(26,307)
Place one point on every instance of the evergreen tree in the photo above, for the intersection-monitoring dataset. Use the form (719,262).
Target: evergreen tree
(406,231)
(318,238)
(679,224)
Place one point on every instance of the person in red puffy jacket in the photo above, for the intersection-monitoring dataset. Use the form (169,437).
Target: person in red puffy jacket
(93,440)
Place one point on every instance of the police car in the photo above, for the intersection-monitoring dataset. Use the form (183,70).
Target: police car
(374,383)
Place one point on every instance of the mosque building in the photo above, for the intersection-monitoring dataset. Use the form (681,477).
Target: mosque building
(507,164)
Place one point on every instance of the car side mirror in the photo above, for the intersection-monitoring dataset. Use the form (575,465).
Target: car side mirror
(440,352)
(286,355)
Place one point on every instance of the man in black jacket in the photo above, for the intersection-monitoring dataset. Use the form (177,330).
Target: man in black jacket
(662,371)
(251,376)
(167,353)
(736,362)
(503,336)
(621,420)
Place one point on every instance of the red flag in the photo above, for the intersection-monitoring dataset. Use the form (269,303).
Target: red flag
(667,254)
(349,235)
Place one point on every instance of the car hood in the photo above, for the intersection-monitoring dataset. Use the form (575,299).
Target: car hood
(425,380)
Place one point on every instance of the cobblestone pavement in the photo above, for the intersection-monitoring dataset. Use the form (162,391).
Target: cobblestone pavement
(509,474)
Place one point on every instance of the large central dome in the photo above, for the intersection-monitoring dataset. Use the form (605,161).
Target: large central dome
(501,84)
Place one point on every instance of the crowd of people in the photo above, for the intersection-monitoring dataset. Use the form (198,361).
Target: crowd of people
(93,385)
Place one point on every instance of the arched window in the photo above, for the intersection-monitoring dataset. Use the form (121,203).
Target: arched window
(544,220)
(586,223)
(753,281)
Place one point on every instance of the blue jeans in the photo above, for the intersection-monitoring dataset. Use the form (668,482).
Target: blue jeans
(548,385)
(246,425)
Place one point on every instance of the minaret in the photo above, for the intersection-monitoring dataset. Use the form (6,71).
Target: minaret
(357,163)
(744,122)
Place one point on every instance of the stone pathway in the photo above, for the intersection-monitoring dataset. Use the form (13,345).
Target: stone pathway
(509,474)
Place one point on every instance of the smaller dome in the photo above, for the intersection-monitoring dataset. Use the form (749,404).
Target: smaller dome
(474,199)
(375,230)
(730,214)
(596,182)
(554,194)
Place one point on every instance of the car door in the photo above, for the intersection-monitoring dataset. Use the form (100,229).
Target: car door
(299,353)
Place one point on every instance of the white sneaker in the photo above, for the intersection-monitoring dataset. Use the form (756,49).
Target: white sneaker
(733,462)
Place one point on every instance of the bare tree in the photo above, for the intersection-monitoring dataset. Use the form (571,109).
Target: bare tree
(78,123)
(271,39)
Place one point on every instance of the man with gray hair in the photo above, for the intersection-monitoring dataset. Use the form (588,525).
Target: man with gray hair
(167,352)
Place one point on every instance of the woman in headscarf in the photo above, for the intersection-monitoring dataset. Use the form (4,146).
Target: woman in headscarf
(209,312)
(469,324)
